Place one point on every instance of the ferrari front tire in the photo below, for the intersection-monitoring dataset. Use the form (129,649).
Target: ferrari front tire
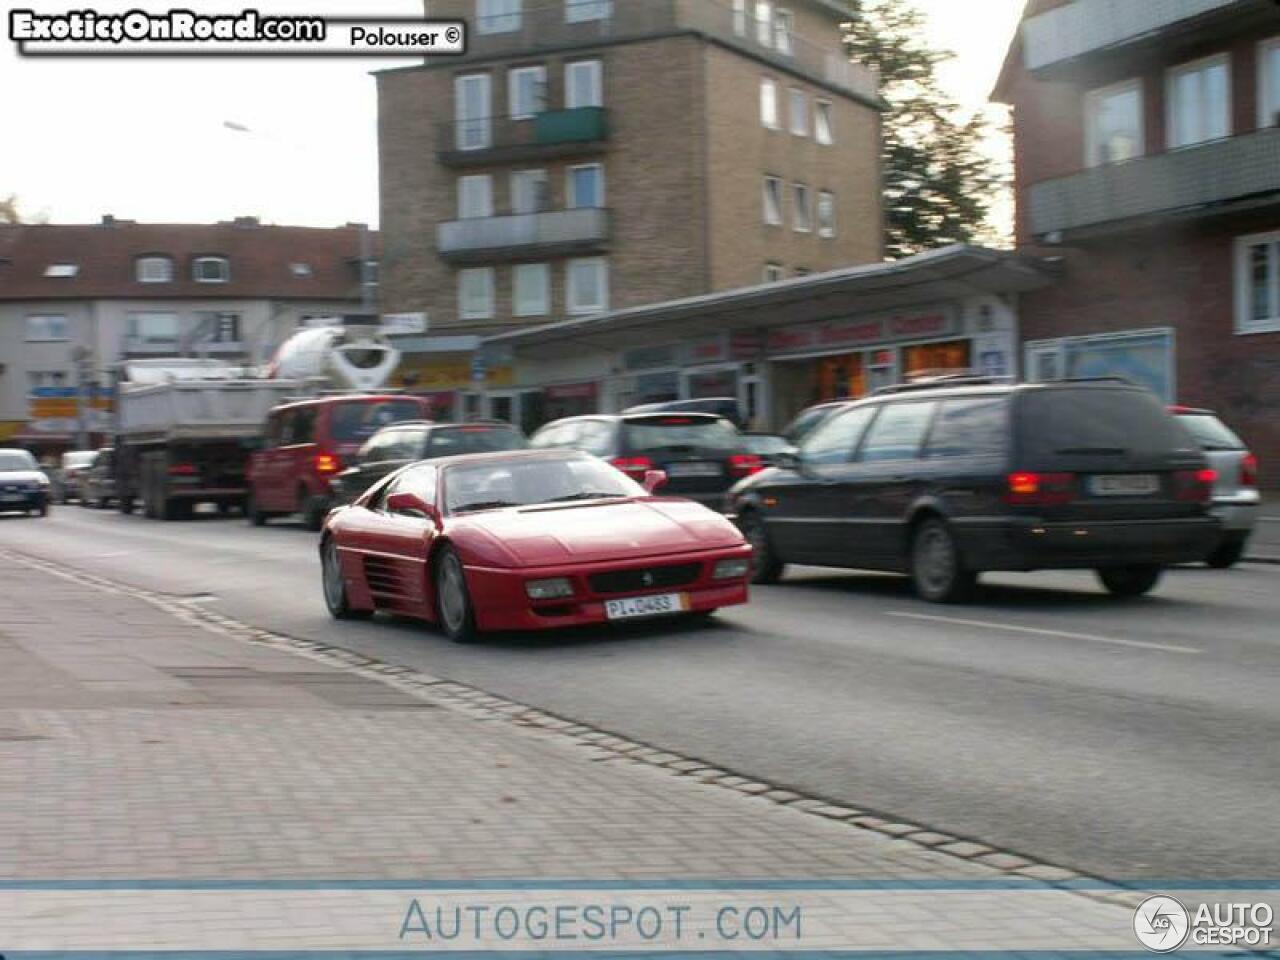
(335,586)
(454,613)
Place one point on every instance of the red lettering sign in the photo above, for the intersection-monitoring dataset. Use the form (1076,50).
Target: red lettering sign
(913,325)
(842,334)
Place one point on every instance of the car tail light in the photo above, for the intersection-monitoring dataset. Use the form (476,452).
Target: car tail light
(328,463)
(744,464)
(1194,485)
(1027,488)
(183,470)
(1249,471)
(633,467)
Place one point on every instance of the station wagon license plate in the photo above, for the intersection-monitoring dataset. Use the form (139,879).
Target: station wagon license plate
(654,606)
(697,468)
(12,497)
(1124,484)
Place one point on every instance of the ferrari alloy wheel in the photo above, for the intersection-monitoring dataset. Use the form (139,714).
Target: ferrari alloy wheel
(335,587)
(937,570)
(453,603)
(765,565)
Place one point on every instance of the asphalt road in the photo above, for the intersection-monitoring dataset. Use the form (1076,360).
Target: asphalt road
(1122,738)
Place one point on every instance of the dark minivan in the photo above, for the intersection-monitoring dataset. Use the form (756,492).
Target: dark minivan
(944,481)
(396,446)
(702,454)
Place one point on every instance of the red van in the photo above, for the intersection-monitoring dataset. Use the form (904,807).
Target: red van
(306,444)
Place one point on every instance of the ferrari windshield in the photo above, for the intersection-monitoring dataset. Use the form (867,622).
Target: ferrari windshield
(493,484)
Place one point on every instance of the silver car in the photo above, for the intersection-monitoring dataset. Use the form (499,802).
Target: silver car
(74,464)
(1236,499)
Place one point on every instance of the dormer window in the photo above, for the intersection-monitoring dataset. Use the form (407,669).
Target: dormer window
(211,270)
(63,270)
(300,269)
(154,269)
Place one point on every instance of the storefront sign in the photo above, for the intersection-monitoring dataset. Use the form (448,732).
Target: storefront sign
(917,324)
(706,350)
(745,344)
(452,374)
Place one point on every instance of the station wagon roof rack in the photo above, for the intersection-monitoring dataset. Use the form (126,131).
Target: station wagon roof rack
(943,380)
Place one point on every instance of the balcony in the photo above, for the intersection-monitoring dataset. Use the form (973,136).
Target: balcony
(1057,37)
(544,136)
(551,26)
(523,236)
(1192,181)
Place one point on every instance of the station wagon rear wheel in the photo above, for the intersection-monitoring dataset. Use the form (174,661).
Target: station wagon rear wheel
(937,569)
(1129,581)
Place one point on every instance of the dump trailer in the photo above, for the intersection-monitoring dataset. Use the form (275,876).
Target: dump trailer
(184,432)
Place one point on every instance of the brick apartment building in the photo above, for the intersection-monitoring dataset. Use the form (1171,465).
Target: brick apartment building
(76,299)
(1147,156)
(594,155)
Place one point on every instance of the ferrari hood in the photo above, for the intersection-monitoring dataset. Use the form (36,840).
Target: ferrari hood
(586,532)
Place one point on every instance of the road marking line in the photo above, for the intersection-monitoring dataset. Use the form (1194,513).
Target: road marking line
(1117,641)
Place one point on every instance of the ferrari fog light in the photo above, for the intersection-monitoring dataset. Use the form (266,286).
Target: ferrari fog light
(552,589)
(731,568)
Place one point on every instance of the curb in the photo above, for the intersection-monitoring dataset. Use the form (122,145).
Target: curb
(604,745)
(1262,559)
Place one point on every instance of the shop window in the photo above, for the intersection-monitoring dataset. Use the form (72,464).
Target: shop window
(931,359)
(842,376)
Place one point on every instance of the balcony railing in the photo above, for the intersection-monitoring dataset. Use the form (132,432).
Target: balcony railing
(1086,26)
(554,232)
(552,133)
(1193,179)
(549,26)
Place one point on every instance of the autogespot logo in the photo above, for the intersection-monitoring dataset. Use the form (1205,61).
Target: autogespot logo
(1161,924)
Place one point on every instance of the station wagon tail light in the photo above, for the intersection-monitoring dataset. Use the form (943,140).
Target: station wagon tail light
(1194,485)
(633,467)
(327,463)
(1040,489)
(182,470)
(1249,471)
(744,464)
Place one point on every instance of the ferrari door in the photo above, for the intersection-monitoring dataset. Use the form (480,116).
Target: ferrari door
(397,545)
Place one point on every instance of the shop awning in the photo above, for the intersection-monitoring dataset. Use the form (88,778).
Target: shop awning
(948,273)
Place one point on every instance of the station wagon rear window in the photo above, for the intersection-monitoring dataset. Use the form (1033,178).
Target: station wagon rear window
(358,420)
(1059,423)
(675,431)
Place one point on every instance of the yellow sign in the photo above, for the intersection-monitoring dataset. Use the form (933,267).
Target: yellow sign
(453,374)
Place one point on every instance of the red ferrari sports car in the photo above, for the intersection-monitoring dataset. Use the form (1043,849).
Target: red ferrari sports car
(527,540)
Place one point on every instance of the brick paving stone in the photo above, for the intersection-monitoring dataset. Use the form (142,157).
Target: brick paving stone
(965,848)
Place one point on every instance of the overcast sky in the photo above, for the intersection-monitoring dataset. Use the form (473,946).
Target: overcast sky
(145,139)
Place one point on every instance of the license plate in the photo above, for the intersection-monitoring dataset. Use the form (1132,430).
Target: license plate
(654,606)
(1124,484)
(701,468)
(12,497)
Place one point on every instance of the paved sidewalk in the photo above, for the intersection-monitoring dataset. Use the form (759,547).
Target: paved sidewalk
(1265,542)
(135,745)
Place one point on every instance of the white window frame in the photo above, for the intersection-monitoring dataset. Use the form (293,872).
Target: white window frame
(483,184)
(784,28)
(801,208)
(144,273)
(1268,112)
(596,68)
(542,197)
(514,76)
(482,124)
(489,20)
(1092,146)
(199,261)
(1244,322)
(772,201)
(773,272)
(539,305)
(66,271)
(826,225)
(764,22)
(570,292)
(571,200)
(482,311)
(1171,106)
(823,125)
(36,321)
(740,18)
(137,319)
(769,109)
(800,128)
(585,11)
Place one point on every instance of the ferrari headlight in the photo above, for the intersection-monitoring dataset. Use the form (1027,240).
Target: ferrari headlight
(551,589)
(731,568)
